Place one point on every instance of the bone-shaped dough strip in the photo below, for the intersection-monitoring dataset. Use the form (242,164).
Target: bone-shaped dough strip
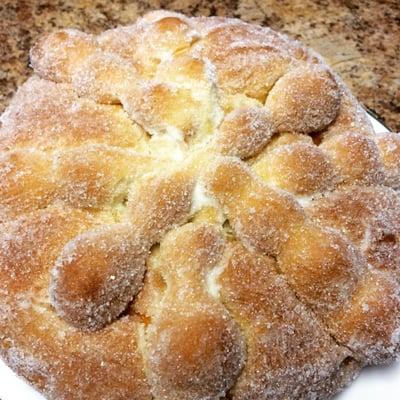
(322,266)
(193,348)
(99,272)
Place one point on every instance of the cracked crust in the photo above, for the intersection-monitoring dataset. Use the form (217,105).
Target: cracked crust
(194,208)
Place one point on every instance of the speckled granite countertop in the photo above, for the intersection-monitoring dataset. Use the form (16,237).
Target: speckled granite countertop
(359,38)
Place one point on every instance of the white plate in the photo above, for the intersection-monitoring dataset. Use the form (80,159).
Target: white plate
(375,383)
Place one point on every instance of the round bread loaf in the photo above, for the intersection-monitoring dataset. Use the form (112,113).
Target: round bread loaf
(194,209)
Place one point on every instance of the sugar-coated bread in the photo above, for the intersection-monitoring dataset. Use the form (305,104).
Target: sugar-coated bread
(194,209)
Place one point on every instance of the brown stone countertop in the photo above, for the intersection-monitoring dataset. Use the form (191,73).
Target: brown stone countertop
(359,38)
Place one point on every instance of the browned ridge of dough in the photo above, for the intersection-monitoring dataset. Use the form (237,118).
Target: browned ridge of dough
(194,209)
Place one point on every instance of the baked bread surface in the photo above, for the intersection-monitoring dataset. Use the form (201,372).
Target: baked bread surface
(194,208)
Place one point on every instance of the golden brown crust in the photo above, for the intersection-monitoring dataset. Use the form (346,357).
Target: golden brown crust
(286,103)
(62,362)
(194,350)
(95,176)
(277,328)
(322,267)
(356,158)
(376,230)
(159,203)
(27,183)
(300,168)
(261,216)
(370,323)
(56,55)
(104,77)
(97,274)
(389,149)
(245,60)
(244,132)
(157,107)
(351,116)
(100,272)
(47,115)
(160,188)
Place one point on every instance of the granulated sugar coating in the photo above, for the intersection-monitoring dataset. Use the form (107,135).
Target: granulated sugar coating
(194,209)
